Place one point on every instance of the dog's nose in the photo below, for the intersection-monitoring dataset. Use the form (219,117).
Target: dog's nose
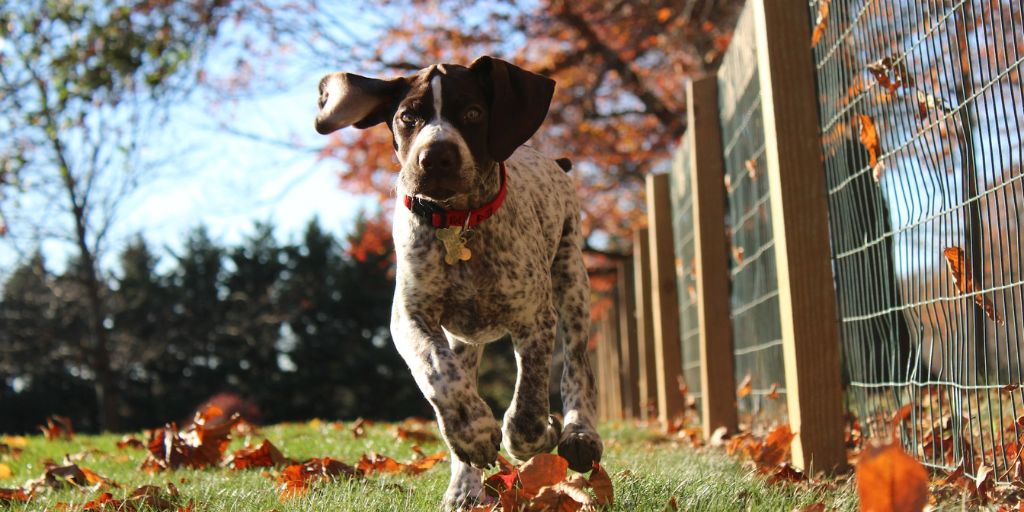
(439,157)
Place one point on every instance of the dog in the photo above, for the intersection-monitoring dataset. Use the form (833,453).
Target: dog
(488,244)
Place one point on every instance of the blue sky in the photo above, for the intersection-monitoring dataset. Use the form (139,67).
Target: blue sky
(226,181)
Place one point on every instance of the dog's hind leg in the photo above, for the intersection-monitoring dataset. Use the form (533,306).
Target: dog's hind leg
(465,489)
(580,443)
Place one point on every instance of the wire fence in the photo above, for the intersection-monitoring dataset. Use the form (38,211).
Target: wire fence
(682,224)
(757,345)
(921,118)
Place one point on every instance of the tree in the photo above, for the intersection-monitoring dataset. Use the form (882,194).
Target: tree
(619,107)
(81,85)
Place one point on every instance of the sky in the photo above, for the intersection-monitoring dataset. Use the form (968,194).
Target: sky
(226,181)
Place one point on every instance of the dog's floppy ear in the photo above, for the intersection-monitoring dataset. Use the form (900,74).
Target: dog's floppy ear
(349,99)
(519,102)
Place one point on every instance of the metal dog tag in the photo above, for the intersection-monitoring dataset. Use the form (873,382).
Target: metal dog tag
(454,241)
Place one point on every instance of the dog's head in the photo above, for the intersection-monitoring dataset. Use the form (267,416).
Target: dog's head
(450,123)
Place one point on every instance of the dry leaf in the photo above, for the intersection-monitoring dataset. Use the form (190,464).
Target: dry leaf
(266,455)
(751,166)
(57,427)
(869,138)
(664,14)
(13,495)
(130,441)
(926,102)
(737,253)
(5,471)
(775,448)
(297,478)
(602,485)
(881,68)
(890,480)
(960,269)
(420,436)
(1009,388)
(821,23)
(542,470)
(746,386)
(773,392)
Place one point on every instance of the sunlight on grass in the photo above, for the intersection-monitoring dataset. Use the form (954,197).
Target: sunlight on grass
(646,468)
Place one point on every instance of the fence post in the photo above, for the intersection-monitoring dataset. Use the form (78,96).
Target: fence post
(800,225)
(628,364)
(610,339)
(711,255)
(664,301)
(647,382)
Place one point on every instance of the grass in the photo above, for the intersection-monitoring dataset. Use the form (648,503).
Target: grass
(647,471)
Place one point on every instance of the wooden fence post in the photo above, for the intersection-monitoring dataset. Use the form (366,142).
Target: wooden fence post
(628,364)
(711,256)
(647,381)
(800,225)
(664,300)
(613,386)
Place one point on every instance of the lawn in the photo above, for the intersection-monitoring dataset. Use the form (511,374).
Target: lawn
(647,470)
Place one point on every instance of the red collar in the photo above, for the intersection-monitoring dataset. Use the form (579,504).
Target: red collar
(441,218)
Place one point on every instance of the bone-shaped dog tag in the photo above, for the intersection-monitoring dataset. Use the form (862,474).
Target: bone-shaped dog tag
(454,245)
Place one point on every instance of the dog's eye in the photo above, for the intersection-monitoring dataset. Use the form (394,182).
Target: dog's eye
(472,115)
(407,117)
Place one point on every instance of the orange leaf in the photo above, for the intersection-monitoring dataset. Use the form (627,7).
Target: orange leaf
(297,478)
(542,470)
(890,480)
(821,23)
(602,485)
(375,463)
(13,495)
(420,436)
(265,455)
(960,269)
(869,138)
(664,14)
(773,392)
(746,386)
(420,465)
(775,448)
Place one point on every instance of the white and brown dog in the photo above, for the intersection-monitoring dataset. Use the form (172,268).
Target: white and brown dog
(487,235)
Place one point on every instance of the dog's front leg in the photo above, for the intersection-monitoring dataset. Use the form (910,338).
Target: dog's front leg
(464,418)
(529,428)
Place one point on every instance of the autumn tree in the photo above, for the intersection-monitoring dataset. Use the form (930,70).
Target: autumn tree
(619,107)
(81,86)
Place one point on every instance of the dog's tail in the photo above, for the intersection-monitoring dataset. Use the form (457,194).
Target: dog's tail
(564,163)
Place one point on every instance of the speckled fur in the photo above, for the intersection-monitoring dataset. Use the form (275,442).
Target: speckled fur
(526,279)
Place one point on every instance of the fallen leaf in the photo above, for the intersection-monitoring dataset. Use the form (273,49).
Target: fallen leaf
(813,507)
(786,473)
(420,436)
(983,483)
(297,478)
(567,496)
(821,23)
(869,138)
(926,102)
(774,449)
(542,470)
(57,427)
(746,386)
(375,463)
(15,441)
(359,427)
(504,480)
(130,441)
(963,279)
(1009,388)
(198,446)
(773,391)
(890,480)
(5,471)
(266,455)
(13,495)
(877,171)
(664,14)
(424,463)
(602,485)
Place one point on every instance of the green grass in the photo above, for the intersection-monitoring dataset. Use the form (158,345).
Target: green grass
(646,469)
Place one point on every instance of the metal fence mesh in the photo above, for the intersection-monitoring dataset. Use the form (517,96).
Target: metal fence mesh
(921,117)
(682,225)
(754,300)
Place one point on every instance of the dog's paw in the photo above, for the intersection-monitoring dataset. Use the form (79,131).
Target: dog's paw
(581,446)
(465,490)
(477,442)
(522,446)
